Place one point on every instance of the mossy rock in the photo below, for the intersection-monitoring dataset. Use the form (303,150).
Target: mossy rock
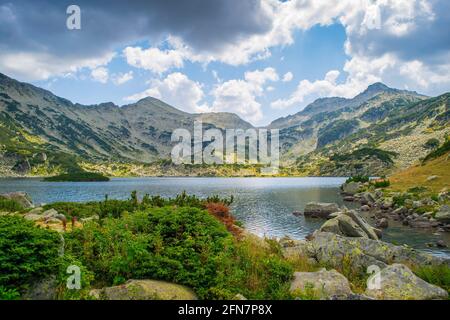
(145,290)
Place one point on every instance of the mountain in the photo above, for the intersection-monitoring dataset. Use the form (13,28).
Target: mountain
(138,132)
(336,103)
(380,130)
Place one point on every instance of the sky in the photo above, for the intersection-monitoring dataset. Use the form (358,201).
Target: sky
(261,59)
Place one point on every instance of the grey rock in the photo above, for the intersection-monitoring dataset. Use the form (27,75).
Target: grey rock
(351,188)
(382,223)
(320,210)
(443,215)
(365,208)
(145,290)
(441,244)
(332,250)
(322,284)
(397,282)
(20,197)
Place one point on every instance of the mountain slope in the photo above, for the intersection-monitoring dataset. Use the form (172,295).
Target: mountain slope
(138,132)
(394,137)
(376,132)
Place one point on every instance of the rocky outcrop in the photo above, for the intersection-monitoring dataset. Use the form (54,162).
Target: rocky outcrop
(348,223)
(351,188)
(443,215)
(322,284)
(320,210)
(144,290)
(338,251)
(20,197)
(397,282)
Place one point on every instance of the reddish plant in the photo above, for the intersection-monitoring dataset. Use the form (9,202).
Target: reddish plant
(222,212)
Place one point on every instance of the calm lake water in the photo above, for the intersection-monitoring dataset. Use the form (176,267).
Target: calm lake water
(264,205)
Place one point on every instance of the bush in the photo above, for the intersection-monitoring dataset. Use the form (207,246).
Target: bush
(28,253)
(80,176)
(9,205)
(181,245)
(432,143)
(361,179)
(399,201)
(384,183)
(222,213)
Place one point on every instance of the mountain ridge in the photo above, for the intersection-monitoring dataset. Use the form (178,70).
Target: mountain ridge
(34,120)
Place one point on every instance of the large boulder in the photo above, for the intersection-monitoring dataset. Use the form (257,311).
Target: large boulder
(351,188)
(348,223)
(320,209)
(322,284)
(359,253)
(145,290)
(343,225)
(397,282)
(443,215)
(20,197)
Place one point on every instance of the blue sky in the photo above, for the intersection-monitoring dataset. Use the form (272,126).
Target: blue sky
(261,59)
(314,53)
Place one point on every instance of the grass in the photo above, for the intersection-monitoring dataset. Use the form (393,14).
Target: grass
(417,176)
(9,205)
(437,275)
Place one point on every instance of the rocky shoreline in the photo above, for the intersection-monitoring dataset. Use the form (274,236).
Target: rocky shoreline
(409,208)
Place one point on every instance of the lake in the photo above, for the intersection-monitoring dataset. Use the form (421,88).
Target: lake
(264,205)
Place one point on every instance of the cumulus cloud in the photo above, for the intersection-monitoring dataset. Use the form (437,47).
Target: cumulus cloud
(288,76)
(153,59)
(177,90)
(240,96)
(100,74)
(121,78)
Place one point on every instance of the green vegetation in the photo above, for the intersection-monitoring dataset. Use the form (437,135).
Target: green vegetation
(362,179)
(439,151)
(27,254)
(437,275)
(9,205)
(383,183)
(432,143)
(115,208)
(363,153)
(81,176)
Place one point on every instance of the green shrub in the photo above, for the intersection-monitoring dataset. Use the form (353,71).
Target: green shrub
(439,151)
(9,205)
(28,253)
(381,183)
(9,294)
(182,245)
(399,201)
(79,176)
(361,179)
(431,143)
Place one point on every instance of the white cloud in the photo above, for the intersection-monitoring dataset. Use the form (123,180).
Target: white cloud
(177,90)
(153,59)
(288,76)
(100,74)
(240,95)
(39,66)
(121,78)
